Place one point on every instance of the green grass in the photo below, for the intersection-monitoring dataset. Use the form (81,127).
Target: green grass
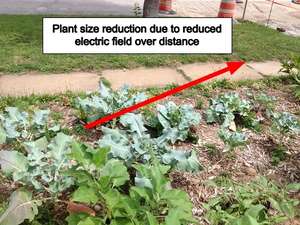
(21,41)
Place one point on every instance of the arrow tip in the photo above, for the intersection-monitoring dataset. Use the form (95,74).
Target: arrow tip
(234,66)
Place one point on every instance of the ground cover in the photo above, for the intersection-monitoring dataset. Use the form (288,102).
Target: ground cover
(237,133)
(21,43)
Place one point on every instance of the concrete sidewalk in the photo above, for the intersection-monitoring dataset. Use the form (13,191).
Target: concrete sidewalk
(22,85)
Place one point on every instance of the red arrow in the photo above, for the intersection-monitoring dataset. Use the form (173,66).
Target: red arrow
(231,67)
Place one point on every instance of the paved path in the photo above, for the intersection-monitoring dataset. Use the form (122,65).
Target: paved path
(21,85)
(68,7)
(285,14)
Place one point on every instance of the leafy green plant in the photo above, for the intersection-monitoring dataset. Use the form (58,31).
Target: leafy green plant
(292,67)
(43,166)
(229,108)
(176,121)
(278,154)
(21,207)
(24,126)
(296,86)
(257,202)
(285,123)
(150,201)
(231,139)
(266,103)
(199,103)
(288,65)
(106,101)
(133,144)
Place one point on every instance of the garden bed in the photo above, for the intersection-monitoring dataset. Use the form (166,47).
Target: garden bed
(262,159)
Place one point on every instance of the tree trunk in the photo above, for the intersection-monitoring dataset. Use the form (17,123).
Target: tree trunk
(151,8)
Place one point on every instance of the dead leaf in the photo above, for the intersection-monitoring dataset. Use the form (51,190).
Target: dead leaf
(80,208)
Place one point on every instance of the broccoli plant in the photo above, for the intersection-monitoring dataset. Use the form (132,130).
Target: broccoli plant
(133,144)
(43,166)
(231,139)
(229,108)
(173,123)
(257,202)
(151,200)
(24,126)
(266,103)
(106,102)
(285,123)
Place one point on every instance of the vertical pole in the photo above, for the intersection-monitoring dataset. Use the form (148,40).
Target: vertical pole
(245,8)
(270,13)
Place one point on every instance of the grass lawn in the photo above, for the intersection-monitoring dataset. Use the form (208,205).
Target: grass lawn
(21,40)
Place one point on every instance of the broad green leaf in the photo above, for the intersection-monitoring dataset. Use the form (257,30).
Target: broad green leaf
(90,221)
(178,217)
(21,207)
(85,194)
(288,209)
(255,210)
(59,147)
(112,198)
(81,176)
(247,220)
(117,142)
(122,221)
(141,193)
(100,156)
(36,152)
(178,198)
(79,153)
(293,187)
(135,122)
(13,163)
(74,219)
(275,204)
(151,220)
(184,161)
(116,171)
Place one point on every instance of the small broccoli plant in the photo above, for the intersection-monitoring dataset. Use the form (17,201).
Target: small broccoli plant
(266,104)
(231,139)
(230,108)
(284,124)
